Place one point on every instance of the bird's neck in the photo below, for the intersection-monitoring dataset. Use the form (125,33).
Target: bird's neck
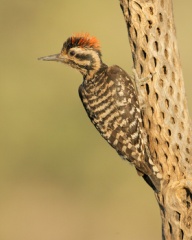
(92,84)
(95,70)
(91,65)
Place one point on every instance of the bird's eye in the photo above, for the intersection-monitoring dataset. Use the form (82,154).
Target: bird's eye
(72,53)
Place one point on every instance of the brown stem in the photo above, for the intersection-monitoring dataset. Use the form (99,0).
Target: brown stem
(153,41)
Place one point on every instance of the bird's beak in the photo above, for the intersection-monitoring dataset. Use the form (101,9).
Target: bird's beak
(56,57)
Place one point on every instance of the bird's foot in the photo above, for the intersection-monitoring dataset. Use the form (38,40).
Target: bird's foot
(140,87)
(141,81)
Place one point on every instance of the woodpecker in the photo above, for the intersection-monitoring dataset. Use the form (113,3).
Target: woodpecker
(109,98)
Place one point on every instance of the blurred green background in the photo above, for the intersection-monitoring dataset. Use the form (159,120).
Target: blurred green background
(58,178)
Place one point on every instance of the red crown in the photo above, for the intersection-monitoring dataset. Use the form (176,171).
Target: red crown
(85,40)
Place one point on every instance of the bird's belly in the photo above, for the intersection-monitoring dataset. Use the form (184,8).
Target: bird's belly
(105,113)
(106,118)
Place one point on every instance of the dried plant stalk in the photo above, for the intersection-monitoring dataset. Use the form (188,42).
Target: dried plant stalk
(153,41)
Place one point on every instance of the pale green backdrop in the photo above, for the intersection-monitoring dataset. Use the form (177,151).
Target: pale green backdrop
(58,178)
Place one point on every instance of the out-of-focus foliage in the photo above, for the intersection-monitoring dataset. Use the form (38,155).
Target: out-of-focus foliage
(58,178)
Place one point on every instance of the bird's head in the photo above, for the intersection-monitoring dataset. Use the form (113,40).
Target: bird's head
(82,52)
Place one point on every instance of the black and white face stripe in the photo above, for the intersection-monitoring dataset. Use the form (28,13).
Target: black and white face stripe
(83,57)
(87,61)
